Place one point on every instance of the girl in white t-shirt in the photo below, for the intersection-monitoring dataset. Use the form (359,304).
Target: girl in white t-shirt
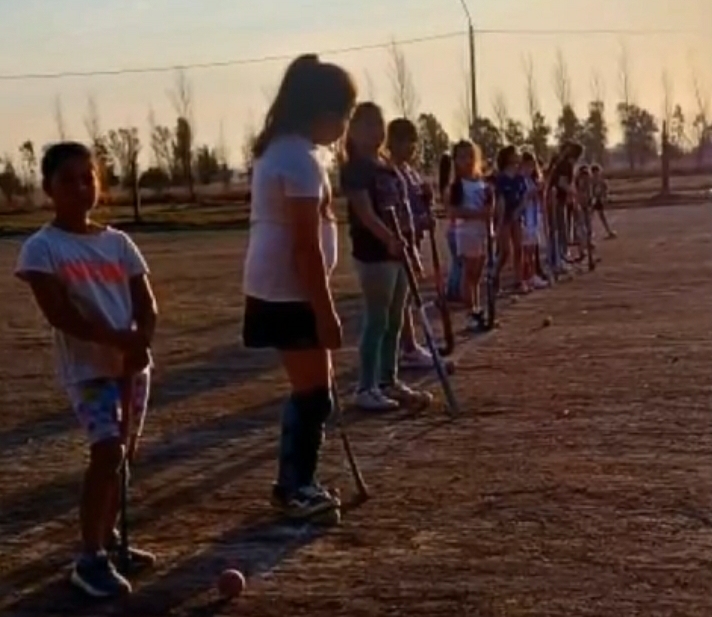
(471,204)
(291,253)
(532,221)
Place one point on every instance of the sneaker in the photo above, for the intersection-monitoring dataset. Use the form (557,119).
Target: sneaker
(375,400)
(476,322)
(96,576)
(138,557)
(612,235)
(406,395)
(417,358)
(537,282)
(522,288)
(306,502)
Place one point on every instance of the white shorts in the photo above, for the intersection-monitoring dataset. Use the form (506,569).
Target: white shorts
(471,241)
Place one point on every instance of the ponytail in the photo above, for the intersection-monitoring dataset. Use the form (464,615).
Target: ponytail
(444,173)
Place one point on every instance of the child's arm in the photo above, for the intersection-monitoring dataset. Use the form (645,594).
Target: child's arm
(355,185)
(144,309)
(63,314)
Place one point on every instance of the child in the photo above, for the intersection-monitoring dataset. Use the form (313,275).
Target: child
(402,141)
(290,256)
(599,190)
(560,184)
(91,284)
(582,213)
(372,186)
(532,221)
(511,191)
(454,279)
(471,206)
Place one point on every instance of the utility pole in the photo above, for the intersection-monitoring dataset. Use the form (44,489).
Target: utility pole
(473,70)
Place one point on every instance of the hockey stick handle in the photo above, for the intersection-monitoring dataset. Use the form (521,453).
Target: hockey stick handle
(452,405)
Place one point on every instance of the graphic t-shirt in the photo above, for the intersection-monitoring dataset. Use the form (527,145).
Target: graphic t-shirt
(96,269)
(290,168)
(511,189)
(385,189)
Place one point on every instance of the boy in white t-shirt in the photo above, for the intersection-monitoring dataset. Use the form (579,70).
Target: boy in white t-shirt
(91,283)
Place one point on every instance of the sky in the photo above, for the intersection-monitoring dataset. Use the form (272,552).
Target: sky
(46,36)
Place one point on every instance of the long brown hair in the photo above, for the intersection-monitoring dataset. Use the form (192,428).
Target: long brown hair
(310,90)
(361,111)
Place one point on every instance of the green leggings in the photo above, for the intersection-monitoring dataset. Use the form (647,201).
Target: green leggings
(385,290)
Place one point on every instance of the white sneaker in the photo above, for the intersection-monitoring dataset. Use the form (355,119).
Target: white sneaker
(537,283)
(417,358)
(375,400)
(407,396)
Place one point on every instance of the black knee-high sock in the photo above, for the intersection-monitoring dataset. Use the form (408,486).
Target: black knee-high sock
(302,437)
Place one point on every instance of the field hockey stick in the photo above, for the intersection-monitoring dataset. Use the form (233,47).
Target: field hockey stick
(353,464)
(126,436)
(452,405)
(491,273)
(587,220)
(442,296)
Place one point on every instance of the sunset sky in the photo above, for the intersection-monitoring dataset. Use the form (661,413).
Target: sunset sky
(47,36)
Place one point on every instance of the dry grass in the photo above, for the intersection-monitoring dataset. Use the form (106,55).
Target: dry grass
(576,483)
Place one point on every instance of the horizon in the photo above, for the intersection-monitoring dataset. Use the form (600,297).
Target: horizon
(155,33)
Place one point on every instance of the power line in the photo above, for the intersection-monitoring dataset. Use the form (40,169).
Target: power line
(331,52)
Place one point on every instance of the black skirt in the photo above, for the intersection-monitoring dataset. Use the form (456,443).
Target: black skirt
(279,325)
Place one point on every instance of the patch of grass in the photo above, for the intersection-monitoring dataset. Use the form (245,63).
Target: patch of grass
(159,217)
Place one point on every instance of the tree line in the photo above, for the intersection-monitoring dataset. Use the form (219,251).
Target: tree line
(640,128)
(176,160)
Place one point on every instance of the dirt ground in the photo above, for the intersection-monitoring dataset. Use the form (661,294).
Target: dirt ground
(576,482)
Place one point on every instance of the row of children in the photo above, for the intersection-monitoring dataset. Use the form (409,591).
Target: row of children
(527,212)
(91,283)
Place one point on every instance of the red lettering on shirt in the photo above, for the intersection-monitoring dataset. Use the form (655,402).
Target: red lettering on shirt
(75,272)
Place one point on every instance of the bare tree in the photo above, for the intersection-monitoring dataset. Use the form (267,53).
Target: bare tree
(59,119)
(463,114)
(92,122)
(598,87)
(125,146)
(500,109)
(370,86)
(405,95)
(668,97)
(562,81)
(701,123)
(625,77)
(248,142)
(222,150)
(222,153)
(162,142)
(182,99)
(532,95)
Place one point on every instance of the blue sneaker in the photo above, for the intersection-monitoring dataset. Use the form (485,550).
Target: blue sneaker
(96,576)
